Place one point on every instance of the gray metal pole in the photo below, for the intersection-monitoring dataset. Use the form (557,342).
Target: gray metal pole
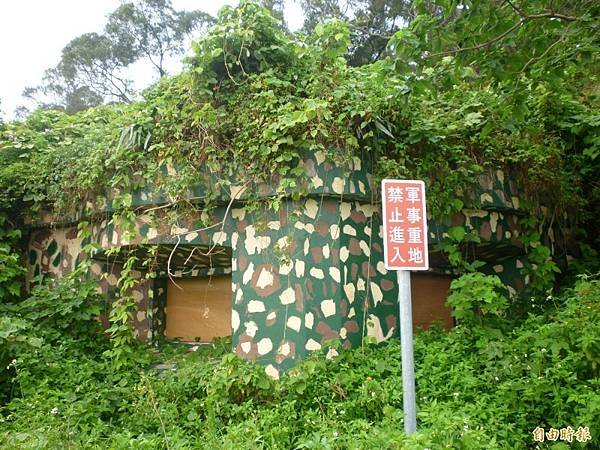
(406,341)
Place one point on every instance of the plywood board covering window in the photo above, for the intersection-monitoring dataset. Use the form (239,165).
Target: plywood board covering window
(429,295)
(200,310)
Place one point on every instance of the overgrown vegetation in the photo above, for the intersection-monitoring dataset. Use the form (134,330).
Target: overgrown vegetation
(462,91)
(480,386)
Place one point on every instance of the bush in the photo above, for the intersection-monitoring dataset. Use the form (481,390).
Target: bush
(478,387)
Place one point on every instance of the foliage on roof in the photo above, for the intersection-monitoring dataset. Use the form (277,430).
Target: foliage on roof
(253,97)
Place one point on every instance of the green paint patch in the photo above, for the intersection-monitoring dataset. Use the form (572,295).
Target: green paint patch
(52,247)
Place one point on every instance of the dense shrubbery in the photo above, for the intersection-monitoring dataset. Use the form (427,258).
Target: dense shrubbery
(482,386)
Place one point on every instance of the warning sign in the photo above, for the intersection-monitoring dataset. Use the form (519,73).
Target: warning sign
(404,225)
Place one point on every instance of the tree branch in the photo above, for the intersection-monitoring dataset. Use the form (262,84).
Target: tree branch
(524,18)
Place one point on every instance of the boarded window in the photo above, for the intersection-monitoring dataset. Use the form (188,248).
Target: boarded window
(200,310)
(429,294)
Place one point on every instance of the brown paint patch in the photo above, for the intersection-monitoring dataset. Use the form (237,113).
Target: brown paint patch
(270,322)
(386,285)
(309,165)
(241,227)
(485,231)
(358,217)
(299,298)
(351,326)
(377,247)
(335,256)
(267,290)
(326,331)
(354,247)
(390,321)
(317,254)
(344,308)
(368,270)
(309,288)
(322,228)
(353,271)
(499,232)
(242,263)
(331,207)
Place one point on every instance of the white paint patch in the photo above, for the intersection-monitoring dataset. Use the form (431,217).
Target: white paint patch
(312,345)
(235,320)
(284,349)
(264,346)
(367,231)
(344,253)
(248,274)
(237,191)
(349,230)
(272,372)
(251,328)
(152,233)
(316,273)
(486,198)
(274,225)
(255,306)
(494,221)
(219,237)
(381,268)
(345,210)
(320,157)
(366,208)
(338,185)
(328,308)
(288,296)
(332,353)
(350,290)
(343,333)
(238,296)
(316,182)
(334,231)
(360,284)
(351,313)
(334,273)
(306,247)
(299,266)
(238,213)
(376,293)
(246,346)
(234,240)
(265,279)
(365,248)
(309,320)
(294,322)
(498,268)
(374,329)
(311,208)
(272,316)
(285,267)
(326,251)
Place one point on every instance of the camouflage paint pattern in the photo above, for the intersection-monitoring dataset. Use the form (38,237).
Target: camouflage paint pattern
(305,274)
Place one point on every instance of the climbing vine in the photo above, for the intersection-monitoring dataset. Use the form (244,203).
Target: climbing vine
(254,98)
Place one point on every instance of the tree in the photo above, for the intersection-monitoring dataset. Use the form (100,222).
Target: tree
(89,72)
(152,29)
(92,67)
(372,22)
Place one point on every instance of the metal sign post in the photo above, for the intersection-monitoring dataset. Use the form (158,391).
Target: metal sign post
(406,343)
(405,249)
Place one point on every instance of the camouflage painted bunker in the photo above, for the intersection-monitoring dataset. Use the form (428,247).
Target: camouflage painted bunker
(281,281)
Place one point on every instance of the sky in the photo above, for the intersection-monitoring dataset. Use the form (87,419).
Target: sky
(33,33)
